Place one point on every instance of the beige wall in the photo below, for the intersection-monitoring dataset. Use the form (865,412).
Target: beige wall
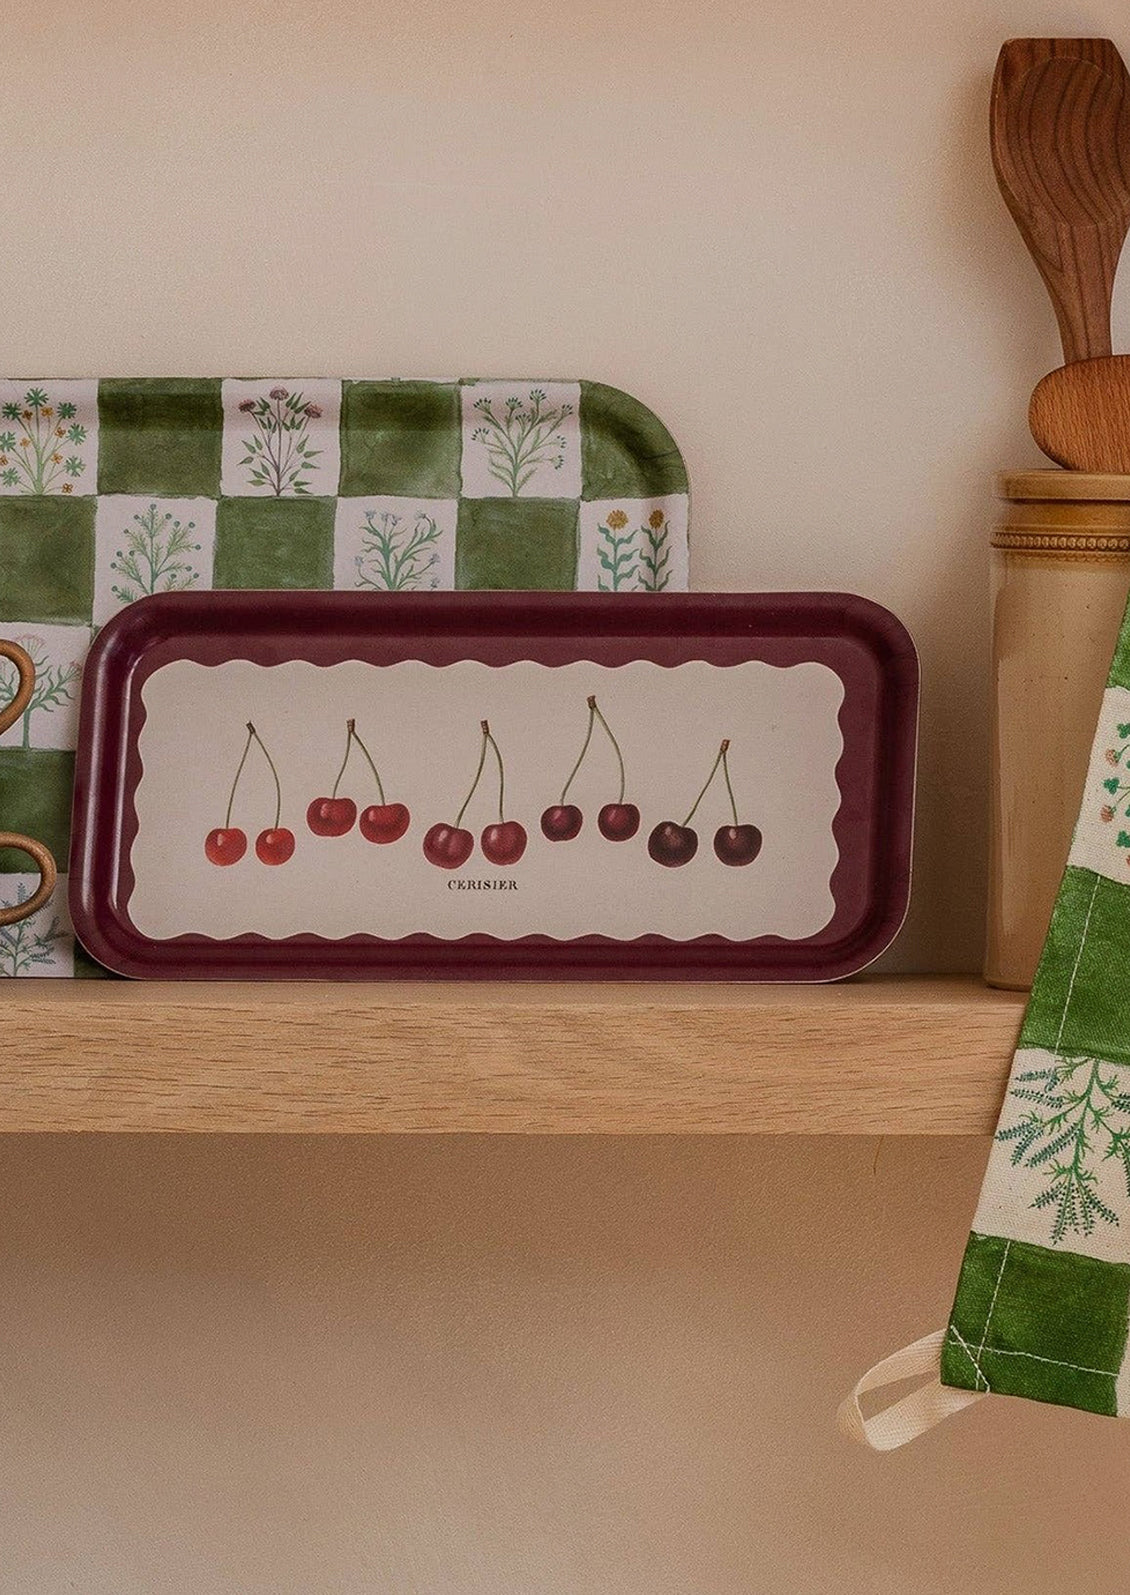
(534,1368)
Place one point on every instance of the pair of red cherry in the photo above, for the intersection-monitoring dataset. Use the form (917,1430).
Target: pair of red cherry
(381,822)
(503,842)
(618,821)
(673,845)
(227,843)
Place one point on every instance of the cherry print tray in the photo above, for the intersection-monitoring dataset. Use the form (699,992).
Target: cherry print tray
(503,785)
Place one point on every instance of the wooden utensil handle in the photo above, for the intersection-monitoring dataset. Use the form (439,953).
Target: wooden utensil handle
(22,660)
(48,876)
(1087,262)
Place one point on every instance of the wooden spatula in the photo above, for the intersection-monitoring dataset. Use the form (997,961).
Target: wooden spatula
(1058,130)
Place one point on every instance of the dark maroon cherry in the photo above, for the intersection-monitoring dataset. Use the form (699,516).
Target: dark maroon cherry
(737,844)
(504,843)
(331,816)
(449,846)
(672,844)
(275,846)
(562,822)
(618,821)
(226,845)
(384,822)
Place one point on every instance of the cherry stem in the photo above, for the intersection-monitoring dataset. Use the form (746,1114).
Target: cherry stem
(619,756)
(345,756)
(713,772)
(478,773)
(368,761)
(501,772)
(726,773)
(238,773)
(584,750)
(278,788)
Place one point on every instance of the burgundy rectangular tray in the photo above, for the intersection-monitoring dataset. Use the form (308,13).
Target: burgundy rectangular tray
(269,786)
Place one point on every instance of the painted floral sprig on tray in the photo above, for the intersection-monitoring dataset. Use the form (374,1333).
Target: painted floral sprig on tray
(53,683)
(151,561)
(637,560)
(279,452)
(1080,1116)
(24,947)
(396,557)
(523,438)
(39,451)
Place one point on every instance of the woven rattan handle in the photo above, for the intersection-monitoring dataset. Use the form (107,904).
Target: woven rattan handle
(20,657)
(36,851)
(48,875)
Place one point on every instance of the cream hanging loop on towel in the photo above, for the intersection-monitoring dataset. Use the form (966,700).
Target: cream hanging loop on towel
(913,1414)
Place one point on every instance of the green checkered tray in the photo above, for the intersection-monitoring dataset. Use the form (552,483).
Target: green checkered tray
(114,489)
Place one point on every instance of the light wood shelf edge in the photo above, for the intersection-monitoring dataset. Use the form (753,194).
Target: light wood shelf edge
(895,1056)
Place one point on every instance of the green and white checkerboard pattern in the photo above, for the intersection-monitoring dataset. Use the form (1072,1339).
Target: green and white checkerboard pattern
(1043,1301)
(113,489)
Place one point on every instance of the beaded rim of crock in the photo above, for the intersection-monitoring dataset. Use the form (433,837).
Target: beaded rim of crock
(1064,545)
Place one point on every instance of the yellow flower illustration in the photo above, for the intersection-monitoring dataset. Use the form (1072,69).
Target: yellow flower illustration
(26,415)
(68,487)
(57,459)
(48,413)
(3,459)
(655,519)
(59,432)
(617,519)
(25,443)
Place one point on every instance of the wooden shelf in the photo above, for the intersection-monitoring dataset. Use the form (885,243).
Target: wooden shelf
(888,1056)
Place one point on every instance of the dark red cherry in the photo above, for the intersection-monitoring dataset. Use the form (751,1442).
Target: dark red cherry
(227,845)
(672,844)
(448,846)
(275,846)
(737,844)
(618,821)
(331,816)
(562,822)
(505,842)
(384,822)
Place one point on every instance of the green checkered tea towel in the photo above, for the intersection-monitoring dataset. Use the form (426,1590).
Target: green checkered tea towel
(1044,1294)
(113,489)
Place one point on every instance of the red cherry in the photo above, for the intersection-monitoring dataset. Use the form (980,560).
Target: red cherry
(737,844)
(449,846)
(618,821)
(672,844)
(275,846)
(505,842)
(562,822)
(227,845)
(384,822)
(331,816)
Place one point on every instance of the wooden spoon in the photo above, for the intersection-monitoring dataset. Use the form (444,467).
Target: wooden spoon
(1058,130)
(1080,415)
